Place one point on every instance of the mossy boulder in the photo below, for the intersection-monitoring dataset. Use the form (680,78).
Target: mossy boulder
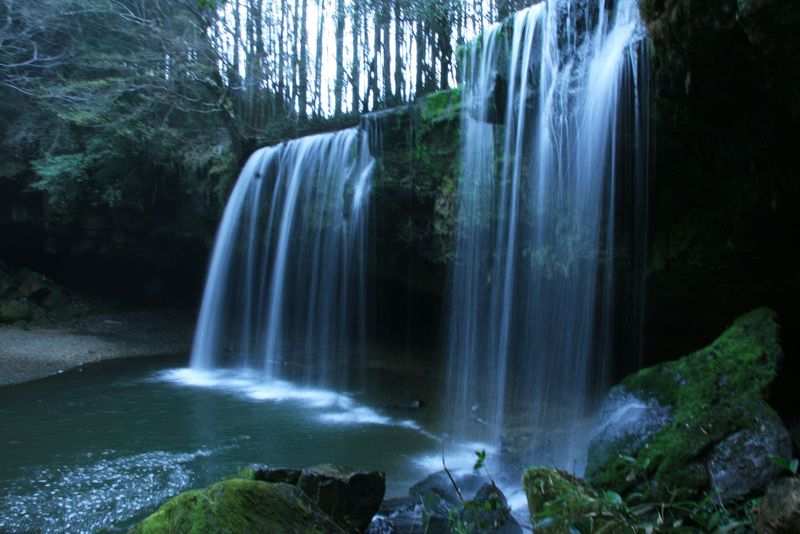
(488,511)
(716,432)
(237,505)
(553,493)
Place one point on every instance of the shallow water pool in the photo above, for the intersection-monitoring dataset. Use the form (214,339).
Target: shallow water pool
(103,446)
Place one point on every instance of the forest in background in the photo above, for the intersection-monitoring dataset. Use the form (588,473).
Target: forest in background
(109,103)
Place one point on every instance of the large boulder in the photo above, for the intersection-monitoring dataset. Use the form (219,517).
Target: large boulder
(351,498)
(779,510)
(237,505)
(696,424)
(276,474)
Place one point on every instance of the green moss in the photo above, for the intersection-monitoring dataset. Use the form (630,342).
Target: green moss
(237,505)
(712,392)
(442,106)
(16,310)
(554,493)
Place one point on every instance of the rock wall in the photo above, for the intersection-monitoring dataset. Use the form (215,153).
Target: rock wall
(726,109)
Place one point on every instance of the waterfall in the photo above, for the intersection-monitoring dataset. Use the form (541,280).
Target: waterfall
(285,289)
(554,156)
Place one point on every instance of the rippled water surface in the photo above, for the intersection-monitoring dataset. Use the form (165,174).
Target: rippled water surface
(103,446)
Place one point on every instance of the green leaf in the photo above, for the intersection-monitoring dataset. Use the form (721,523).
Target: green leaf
(714,520)
(793,465)
(481,461)
(612,497)
(780,461)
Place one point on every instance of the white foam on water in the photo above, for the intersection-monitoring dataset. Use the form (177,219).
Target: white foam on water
(106,489)
(361,415)
(255,386)
(338,408)
(459,457)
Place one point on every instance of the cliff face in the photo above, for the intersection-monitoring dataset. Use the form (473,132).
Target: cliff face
(725,97)
(726,108)
(724,204)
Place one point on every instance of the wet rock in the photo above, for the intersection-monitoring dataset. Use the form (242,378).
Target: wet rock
(779,509)
(380,525)
(440,484)
(276,474)
(351,498)
(238,505)
(716,400)
(625,423)
(741,462)
(403,514)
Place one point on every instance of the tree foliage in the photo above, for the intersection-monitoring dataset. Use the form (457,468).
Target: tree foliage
(110,103)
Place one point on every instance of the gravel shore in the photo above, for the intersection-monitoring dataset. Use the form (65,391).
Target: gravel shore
(28,353)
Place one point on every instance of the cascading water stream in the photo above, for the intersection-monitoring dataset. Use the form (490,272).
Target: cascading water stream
(285,289)
(531,325)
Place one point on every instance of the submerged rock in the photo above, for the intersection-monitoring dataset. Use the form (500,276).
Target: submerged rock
(237,505)
(702,422)
(351,498)
(779,510)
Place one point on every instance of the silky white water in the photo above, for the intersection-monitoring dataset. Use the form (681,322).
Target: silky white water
(285,289)
(553,144)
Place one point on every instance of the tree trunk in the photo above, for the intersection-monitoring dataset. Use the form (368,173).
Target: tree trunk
(388,95)
(339,82)
(295,54)
(303,76)
(419,37)
(281,54)
(356,73)
(398,60)
(318,59)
